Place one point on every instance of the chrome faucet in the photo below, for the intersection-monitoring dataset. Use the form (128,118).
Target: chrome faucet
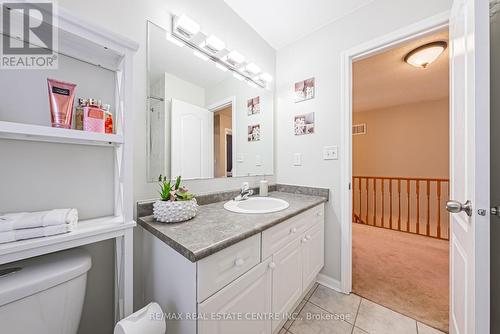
(244,193)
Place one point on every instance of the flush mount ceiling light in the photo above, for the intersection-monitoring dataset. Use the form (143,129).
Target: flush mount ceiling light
(186,27)
(426,54)
(213,44)
(234,58)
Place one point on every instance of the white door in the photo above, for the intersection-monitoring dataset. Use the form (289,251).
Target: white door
(287,280)
(469,121)
(240,306)
(313,253)
(192,141)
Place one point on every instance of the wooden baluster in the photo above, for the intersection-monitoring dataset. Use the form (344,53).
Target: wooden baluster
(438,209)
(383,195)
(375,202)
(428,193)
(360,203)
(390,203)
(399,204)
(367,202)
(417,189)
(353,203)
(408,200)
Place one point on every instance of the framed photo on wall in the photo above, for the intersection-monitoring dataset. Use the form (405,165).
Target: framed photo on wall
(304,124)
(304,90)
(253,106)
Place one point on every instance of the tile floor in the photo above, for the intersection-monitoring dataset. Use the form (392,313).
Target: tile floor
(325,311)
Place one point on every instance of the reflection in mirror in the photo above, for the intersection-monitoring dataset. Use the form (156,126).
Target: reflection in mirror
(203,121)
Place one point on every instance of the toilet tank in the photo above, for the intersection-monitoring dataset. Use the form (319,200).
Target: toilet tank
(45,294)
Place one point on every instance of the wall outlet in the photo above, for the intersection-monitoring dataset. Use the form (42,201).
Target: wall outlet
(297,159)
(258,160)
(239,157)
(330,152)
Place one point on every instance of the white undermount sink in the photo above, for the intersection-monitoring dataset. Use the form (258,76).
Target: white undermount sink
(257,205)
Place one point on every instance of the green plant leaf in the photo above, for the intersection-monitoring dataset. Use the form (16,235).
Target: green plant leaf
(177,182)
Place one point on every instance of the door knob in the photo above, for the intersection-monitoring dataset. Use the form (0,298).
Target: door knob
(495,211)
(456,207)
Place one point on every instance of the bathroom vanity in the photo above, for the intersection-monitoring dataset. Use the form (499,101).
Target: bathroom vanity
(224,266)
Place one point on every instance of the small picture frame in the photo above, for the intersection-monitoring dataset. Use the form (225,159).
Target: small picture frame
(304,90)
(253,106)
(304,124)
(254,132)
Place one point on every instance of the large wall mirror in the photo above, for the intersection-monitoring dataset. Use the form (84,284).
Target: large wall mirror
(204,121)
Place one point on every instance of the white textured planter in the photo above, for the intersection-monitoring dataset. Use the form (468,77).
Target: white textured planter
(174,212)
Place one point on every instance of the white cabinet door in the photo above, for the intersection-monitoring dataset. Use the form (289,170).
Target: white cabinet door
(313,254)
(287,280)
(234,309)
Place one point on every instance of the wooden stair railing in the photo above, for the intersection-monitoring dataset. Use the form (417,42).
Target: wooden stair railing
(413,205)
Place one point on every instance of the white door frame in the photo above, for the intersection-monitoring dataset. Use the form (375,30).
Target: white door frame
(364,50)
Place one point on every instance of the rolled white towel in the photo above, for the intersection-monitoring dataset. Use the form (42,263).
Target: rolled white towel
(24,220)
(36,232)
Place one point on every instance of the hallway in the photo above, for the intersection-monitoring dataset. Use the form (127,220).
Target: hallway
(401,271)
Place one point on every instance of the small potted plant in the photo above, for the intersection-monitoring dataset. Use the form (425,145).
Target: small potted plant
(176,203)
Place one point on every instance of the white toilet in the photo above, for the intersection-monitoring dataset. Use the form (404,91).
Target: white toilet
(44,295)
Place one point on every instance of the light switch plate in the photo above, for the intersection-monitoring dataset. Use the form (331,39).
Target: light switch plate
(239,157)
(330,152)
(258,160)
(297,159)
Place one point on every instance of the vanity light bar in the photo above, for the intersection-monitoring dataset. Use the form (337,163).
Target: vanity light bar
(266,77)
(184,28)
(234,58)
(213,44)
(252,69)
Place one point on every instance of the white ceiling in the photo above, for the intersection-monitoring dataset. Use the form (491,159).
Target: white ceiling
(281,22)
(385,80)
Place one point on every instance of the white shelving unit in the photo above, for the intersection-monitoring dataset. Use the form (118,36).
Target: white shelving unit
(94,45)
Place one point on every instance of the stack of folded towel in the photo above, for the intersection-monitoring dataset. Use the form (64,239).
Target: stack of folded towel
(28,225)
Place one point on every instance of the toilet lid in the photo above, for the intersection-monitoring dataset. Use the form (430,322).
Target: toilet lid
(27,277)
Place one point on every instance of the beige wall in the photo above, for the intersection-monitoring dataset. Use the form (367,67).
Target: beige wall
(408,141)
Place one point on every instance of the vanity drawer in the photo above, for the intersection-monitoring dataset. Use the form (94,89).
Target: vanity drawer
(280,235)
(221,268)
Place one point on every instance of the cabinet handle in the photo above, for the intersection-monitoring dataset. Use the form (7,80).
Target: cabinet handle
(239,262)
(272,265)
(293,230)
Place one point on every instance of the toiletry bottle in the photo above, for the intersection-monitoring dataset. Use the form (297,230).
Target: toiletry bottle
(93,117)
(79,111)
(108,118)
(263,188)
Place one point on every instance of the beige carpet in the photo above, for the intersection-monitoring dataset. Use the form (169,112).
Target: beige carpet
(404,272)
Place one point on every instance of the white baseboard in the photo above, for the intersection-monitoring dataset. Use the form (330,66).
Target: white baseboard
(329,282)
